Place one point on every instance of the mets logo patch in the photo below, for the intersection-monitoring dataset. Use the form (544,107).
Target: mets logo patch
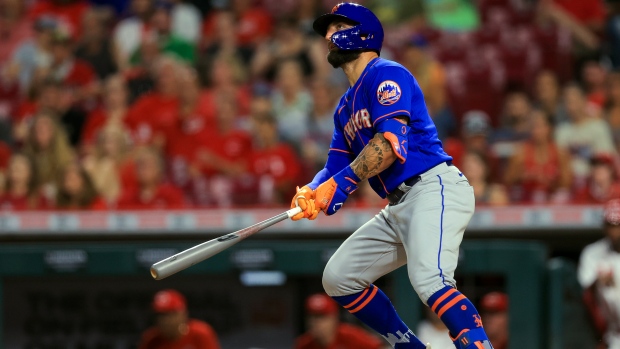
(388,92)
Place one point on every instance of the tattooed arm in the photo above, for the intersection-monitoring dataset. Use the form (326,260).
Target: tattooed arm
(376,156)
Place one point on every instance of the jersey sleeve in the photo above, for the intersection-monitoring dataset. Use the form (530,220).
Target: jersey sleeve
(392,92)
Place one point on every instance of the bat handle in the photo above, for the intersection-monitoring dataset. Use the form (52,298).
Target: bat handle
(293,211)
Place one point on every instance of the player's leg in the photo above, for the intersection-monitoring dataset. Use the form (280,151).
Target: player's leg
(431,221)
(369,253)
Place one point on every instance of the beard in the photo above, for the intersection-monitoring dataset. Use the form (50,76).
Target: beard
(337,57)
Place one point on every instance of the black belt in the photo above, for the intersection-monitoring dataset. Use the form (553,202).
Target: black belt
(397,194)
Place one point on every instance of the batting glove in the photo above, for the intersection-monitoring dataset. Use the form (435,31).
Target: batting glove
(331,194)
(304,198)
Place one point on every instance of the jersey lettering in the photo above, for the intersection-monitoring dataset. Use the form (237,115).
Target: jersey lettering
(360,120)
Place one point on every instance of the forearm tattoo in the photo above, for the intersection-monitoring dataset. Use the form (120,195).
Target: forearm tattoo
(376,156)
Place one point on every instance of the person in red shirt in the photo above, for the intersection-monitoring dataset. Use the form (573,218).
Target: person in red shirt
(227,151)
(156,111)
(603,184)
(194,125)
(21,188)
(113,111)
(494,314)
(253,23)
(325,331)
(68,12)
(273,160)
(76,190)
(174,329)
(151,192)
(539,171)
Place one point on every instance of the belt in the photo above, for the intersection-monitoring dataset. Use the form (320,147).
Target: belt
(402,189)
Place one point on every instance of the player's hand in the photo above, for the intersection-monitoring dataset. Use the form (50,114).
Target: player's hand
(331,194)
(305,199)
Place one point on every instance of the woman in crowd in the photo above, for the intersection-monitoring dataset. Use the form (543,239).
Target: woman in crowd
(48,146)
(476,170)
(539,171)
(76,190)
(110,166)
(113,112)
(21,189)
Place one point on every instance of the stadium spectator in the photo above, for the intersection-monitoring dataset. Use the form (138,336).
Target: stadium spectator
(223,42)
(68,13)
(95,45)
(326,331)
(186,21)
(583,136)
(612,108)
(432,330)
(112,111)
(80,85)
(291,102)
(195,126)
(227,151)
(602,184)
(151,191)
(49,148)
(44,97)
(320,127)
(475,133)
(594,78)
(32,54)
(288,43)
(15,27)
(539,172)
(21,188)
(76,190)
(431,77)
(547,96)
(157,110)
(273,161)
(226,78)
(174,329)
(253,23)
(163,38)
(485,192)
(515,124)
(583,18)
(110,164)
(494,313)
(131,31)
(599,276)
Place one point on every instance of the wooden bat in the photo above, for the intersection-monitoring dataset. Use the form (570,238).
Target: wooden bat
(199,253)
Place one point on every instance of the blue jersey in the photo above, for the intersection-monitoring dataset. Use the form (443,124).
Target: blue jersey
(384,91)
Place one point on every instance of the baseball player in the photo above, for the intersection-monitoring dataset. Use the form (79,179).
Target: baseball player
(383,133)
(599,275)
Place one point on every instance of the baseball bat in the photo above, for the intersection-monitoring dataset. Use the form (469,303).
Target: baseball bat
(199,253)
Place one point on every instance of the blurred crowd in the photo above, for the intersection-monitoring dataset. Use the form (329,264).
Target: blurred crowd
(149,104)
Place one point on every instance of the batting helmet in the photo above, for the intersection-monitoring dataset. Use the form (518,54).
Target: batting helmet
(366,34)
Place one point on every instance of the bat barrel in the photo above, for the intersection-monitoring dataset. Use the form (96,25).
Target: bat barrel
(186,259)
(199,253)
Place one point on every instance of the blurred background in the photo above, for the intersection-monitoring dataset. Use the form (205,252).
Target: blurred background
(133,129)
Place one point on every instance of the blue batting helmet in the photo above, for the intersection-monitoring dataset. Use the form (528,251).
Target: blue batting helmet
(366,33)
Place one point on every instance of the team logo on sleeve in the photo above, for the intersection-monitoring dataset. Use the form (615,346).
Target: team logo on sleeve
(388,92)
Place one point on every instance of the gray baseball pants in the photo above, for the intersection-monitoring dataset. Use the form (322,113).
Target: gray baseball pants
(423,230)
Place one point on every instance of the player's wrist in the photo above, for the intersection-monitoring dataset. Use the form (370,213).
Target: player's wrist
(347,180)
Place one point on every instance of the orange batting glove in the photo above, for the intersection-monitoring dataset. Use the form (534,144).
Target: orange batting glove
(304,198)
